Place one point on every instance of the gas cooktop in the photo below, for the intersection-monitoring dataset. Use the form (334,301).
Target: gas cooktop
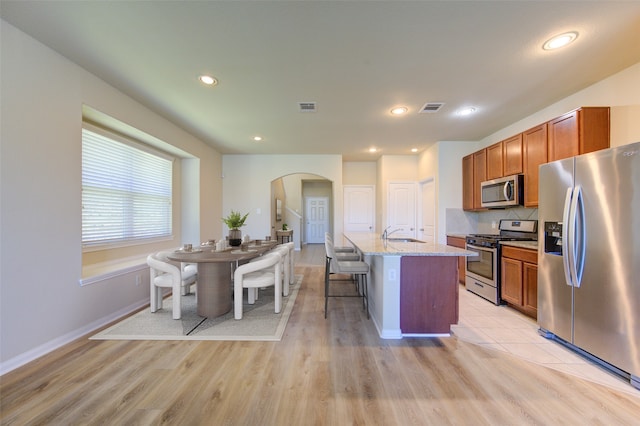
(510,230)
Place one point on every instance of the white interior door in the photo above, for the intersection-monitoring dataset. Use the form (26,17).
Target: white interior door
(427,228)
(359,208)
(317,218)
(402,209)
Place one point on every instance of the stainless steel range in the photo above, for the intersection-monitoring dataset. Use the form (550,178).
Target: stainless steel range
(482,275)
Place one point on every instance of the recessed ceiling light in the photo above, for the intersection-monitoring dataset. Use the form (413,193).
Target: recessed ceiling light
(257,138)
(560,40)
(467,111)
(399,110)
(208,80)
(414,149)
(372,150)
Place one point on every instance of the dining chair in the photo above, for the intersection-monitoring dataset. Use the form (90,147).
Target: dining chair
(285,267)
(264,272)
(357,270)
(188,269)
(165,274)
(291,247)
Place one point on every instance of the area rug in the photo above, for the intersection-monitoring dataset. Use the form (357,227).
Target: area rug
(259,322)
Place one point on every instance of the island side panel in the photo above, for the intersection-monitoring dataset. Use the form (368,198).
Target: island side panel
(428,294)
(384,294)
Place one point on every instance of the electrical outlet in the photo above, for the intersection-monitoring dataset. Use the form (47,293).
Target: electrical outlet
(138,279)
(392,274)
(494,224)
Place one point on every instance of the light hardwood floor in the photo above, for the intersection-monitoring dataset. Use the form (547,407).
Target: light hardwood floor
(324,372)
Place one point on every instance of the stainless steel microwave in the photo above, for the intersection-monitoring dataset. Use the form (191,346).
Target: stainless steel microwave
(503,192)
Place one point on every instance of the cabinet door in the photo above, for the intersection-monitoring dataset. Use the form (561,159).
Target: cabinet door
(594,129)
(511,281)
(530,288)
(428,294)
(460,243)
(534,142)
(579,132)
(479,176)
(467,182)
(512,155)
(563,137)
(494,161)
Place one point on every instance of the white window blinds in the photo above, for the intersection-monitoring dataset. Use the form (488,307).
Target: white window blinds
(126,192)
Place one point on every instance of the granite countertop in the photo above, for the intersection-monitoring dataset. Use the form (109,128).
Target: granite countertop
(371,244)
(532,245)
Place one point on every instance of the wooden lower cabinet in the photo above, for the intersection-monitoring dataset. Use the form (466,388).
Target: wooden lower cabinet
(428,294)
(459,242)
(519,279)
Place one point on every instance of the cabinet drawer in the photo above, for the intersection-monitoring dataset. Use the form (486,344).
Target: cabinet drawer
(456,241)
(518,253)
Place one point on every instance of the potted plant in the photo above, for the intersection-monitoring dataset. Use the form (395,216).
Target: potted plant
(235,221)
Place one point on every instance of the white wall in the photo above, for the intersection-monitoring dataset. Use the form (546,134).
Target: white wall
(41,304)
(359,173)
(247,185)
(444,161)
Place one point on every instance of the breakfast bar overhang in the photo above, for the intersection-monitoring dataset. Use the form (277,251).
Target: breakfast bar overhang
(413,285)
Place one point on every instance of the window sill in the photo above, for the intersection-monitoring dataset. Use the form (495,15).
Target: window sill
(103,271)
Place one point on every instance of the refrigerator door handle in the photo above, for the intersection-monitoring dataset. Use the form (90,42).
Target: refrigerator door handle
(566,240)
(579,246)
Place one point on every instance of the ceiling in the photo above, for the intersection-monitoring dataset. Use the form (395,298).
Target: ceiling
(354,59)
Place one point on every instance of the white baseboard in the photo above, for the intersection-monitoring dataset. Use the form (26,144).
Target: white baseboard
(37,352)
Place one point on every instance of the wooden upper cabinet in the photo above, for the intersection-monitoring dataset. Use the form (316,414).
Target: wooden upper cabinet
(584,130)
(578,132)
(534,142)
(479,176)
(512,155)
(494,161)
(467,182)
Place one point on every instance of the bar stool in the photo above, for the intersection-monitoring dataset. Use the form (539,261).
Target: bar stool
(357,269)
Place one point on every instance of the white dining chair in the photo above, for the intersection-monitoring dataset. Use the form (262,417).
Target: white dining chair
(264,272)
(291,246)
(164,274)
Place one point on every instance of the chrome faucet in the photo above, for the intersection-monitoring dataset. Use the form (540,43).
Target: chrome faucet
(386,233)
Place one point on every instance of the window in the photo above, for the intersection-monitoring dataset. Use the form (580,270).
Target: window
(126,191)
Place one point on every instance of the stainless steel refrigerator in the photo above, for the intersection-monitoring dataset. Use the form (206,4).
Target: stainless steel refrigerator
(589,256)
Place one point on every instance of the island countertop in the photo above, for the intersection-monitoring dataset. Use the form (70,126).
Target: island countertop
(371,244)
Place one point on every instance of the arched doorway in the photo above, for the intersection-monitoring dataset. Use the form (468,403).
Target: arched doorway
(306,206)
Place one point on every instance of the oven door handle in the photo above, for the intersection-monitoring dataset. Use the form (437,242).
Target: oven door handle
(480,248)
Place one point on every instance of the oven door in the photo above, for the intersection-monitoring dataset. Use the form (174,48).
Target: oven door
(484,266)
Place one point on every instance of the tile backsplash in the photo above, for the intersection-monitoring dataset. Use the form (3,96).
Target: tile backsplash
(462,222)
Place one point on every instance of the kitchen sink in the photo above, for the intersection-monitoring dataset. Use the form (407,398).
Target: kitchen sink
(405,240)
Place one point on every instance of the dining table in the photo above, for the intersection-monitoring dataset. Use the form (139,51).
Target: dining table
(215,272)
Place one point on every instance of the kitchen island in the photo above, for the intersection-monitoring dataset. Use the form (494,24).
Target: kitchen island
(413,285)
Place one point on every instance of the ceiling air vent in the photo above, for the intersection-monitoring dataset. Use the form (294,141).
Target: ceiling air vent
(430,107)
(307,106)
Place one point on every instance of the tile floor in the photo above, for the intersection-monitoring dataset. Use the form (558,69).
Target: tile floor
(504,329)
